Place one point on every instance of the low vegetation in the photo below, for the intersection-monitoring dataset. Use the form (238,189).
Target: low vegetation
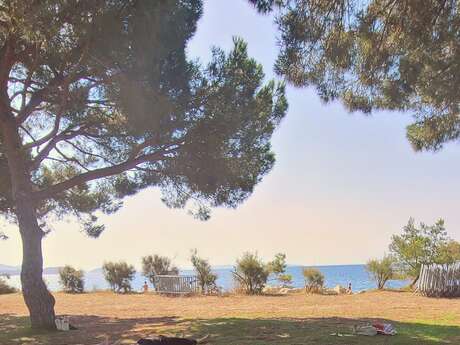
(277,267)
(119,276)
(251,273)
(71,280)
(206,278)
(153,265)
(314,279)
(382,270)
(5,288)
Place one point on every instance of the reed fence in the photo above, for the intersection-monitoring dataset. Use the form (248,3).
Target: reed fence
(439,280)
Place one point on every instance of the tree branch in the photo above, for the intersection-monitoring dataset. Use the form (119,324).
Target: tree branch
(37,98)
(97,174)
(47,137)
(64,135)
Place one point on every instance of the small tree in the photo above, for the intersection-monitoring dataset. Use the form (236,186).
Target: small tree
(418,245)
(251,273)
(119,275)
(5,288)
(314,279)
(206,278)
(71,279)
(278,267)
(285,279)
(157,265)
(382,270)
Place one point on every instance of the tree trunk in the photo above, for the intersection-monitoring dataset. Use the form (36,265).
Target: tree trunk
(414,281)
(38,299)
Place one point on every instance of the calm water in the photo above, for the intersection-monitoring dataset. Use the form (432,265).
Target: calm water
(340,274)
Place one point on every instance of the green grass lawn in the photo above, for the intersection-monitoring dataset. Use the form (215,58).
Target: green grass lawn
(239,331)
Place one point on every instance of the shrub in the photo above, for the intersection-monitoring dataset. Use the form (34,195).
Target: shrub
(278,268)
(285,280)
(251,273)
(206,278)
(5,288)
(71,280)
(382,270)
(157,265)
(119,275)
(314,279)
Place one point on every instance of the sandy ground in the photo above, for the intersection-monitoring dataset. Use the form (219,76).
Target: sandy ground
(399,306)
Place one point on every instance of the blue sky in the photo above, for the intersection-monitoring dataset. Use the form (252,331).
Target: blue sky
(342,185)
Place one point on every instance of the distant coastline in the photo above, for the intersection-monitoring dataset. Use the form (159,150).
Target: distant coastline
(334,275)
(16,270)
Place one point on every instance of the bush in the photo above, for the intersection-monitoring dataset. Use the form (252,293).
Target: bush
(285,280)
(71,280)
(157,265)
(278,268)
(5,288)
(119,275)
(206,278)
(251,273)
(314,279)
(382,270)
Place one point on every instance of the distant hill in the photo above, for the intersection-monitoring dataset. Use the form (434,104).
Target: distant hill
(16,270)
(11,270)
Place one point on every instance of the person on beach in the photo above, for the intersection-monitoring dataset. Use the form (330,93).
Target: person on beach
(350,291)
(145,287)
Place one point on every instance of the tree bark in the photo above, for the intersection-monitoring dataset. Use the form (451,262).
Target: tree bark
(38,299)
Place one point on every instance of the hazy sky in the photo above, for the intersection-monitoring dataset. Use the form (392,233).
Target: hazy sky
(341,186)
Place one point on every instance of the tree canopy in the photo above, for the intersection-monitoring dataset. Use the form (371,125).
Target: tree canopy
(98,100)
(206,277)
(376,55)
(382,270)
(423,244)
(106,103)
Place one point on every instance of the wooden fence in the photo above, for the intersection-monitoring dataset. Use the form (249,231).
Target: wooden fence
(439,280)
(168,284)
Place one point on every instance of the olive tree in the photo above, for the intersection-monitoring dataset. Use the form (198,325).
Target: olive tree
(98,101)
(206,277)
(119,275)
(71,279)
(314,279)
(251,273)
(382,270)
(277,267)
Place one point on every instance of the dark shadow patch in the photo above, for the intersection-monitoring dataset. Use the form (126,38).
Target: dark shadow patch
(225,331)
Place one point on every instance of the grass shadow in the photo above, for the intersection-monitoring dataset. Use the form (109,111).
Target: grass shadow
(226,331)
(91,329)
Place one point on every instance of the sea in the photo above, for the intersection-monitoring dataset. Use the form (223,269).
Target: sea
(334,275)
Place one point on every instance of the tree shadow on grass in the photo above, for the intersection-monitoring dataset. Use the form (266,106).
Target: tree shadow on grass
(91,329)
(319,331)
(225,331)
